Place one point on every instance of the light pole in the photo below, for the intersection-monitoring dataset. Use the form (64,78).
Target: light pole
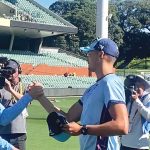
(102,19)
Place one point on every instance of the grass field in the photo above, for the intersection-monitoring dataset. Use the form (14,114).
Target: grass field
(37,130)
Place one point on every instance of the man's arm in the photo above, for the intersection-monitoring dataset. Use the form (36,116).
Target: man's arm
(143,109)
(48,106)
(117,126)
(16,94)
(4,145)
(9,88)
(73,114)
(8,114)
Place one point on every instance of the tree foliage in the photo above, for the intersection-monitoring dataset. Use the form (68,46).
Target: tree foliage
(135,23)
(82,15)
(129,25)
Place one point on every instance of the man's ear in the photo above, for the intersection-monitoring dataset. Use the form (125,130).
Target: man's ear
(101,54)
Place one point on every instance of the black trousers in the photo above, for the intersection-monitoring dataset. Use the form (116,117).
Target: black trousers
(18,140)
(129,148)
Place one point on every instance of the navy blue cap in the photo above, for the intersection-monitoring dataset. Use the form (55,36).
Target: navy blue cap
(102,44)
(55,123)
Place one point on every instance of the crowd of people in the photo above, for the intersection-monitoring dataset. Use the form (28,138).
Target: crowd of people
(103,117)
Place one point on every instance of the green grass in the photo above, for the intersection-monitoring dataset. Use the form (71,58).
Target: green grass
(37,130)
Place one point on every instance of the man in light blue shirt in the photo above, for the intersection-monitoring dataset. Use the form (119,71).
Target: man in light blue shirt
(96,101)
(8,114)
(101,111)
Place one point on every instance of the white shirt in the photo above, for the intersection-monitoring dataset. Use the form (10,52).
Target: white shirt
(136,138)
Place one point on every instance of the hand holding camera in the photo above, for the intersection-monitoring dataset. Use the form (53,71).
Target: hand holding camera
(134,95)
(8,86)
(137,94)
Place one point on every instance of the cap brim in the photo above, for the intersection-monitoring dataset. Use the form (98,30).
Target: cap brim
(62,137)
(85,49)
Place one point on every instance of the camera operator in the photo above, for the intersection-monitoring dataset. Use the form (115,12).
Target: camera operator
(10,113)
(15,132)
(139,117)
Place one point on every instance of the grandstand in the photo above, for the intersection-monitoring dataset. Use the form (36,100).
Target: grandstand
(54,59)
(59,81)
(24,25)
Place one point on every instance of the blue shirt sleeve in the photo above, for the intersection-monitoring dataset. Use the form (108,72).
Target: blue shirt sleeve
(114,93)
(9,114)
(4,145)
(1,109)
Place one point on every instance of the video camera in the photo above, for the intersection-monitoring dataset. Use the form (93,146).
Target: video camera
(4,71)
(130,82)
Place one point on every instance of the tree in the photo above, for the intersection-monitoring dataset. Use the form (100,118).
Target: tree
(115,31)
(129,25)
(81,14)
(135,23)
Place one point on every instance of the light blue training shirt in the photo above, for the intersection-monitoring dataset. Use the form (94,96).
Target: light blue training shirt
(96,101)
(8,114)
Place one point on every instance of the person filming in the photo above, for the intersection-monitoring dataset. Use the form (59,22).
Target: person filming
(10,113)
(15,132)
(139,116)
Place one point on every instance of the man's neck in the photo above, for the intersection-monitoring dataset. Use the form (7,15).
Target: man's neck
(104,71)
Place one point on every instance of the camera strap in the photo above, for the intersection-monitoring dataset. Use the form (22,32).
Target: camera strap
(130,108)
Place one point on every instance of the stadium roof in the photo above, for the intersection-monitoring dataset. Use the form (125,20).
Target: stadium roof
(28,18)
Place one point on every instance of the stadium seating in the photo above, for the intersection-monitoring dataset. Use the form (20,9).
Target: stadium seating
(28,11)
(52,59)
(59,81)
(73,61)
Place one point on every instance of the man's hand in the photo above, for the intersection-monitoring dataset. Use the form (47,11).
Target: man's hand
(14,148)
(72,128)
(36,90)
(8,86)
(134,95)
(137,94)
